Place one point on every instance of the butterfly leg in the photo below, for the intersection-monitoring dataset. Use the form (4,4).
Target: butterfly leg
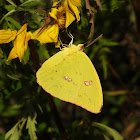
(71,36)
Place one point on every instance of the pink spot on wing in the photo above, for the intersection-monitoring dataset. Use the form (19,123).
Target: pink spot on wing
(87,83)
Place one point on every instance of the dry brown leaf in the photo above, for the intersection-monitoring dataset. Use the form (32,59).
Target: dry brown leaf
(99,4)
(91,11)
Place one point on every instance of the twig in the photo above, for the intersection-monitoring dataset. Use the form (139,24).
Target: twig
(136,7)
(91,11)
(36,62)
(116,74)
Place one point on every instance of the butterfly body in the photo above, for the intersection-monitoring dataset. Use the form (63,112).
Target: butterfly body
(70,76)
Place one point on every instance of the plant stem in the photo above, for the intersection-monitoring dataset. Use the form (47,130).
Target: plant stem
(36,62)
(136,7)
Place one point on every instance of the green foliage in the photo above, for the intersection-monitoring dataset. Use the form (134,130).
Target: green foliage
(13,133)
(112,5)
(103,49)
(115,57)
(93,131)
(31,127)
(31,3)
(26,56)
(108,131)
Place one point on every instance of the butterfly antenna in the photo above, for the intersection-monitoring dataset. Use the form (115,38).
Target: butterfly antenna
(100,36)
(71,36)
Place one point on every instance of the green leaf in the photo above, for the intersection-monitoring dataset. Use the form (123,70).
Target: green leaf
(44,54)
(11,111)
(105,50)
(2,136)
(104,64)
(95,49)
(2,2)
(9,7)
(108,42)
(84,22)
(13,133)
(31,127)
(14,76)
(12,3)
(32,3)
(114,4)
(9,25)
(10,12)
(26,56)
(109,131)
(13,22)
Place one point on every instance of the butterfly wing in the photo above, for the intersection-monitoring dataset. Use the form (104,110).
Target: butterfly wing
(65,76)
(90,94)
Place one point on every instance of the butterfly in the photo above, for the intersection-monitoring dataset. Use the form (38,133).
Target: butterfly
(70,76)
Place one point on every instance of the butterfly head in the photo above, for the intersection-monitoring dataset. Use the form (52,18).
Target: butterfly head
(80,47)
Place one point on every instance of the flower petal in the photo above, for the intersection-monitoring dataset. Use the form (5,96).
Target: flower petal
(74,9)
(7,35)
(20,44)
(55,4)
(53,13)
(76,2)
(28,37)
(71,10)
(69,18)
(48,35)
(12,54)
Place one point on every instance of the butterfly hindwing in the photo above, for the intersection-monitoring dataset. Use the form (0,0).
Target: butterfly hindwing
(90,93)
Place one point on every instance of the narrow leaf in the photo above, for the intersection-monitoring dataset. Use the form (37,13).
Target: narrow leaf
(31,127)
(12,3)
(26,56)
(108,42)
(104,65)
(13,133)
(14,22)
(12,11)
(9,7)
(112,132)
(31,3)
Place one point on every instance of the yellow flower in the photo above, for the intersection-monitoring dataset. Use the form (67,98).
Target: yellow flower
(7,35)
(61,15)
(20,43)
(49,33)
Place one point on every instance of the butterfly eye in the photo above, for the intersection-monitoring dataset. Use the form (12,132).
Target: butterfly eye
(66,77)
(70,80)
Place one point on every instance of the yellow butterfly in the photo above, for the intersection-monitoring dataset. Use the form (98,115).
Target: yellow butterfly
(70,76)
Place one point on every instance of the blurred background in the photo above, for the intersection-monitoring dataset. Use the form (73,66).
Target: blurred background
(116,57)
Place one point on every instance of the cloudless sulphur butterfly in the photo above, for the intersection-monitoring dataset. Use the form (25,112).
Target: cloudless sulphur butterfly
(70,76)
